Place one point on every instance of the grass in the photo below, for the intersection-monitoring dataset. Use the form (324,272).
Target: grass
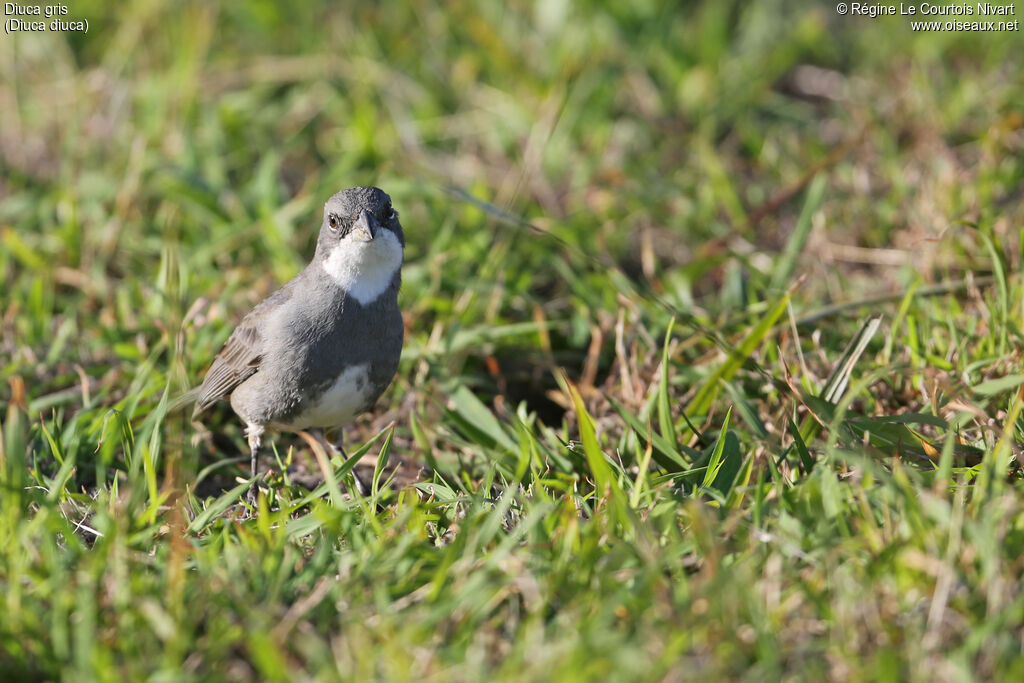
(712,365)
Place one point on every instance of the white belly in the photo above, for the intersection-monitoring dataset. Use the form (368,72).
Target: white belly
(337,406)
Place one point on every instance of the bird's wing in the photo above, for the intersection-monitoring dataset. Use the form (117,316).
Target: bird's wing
(240,357)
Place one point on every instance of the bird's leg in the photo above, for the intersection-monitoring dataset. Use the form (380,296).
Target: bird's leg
(337,449)
(361,486)
(253,432)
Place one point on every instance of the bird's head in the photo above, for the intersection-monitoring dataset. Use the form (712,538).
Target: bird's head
(361,241)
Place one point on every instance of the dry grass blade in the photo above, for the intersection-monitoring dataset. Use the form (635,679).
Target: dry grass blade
(839,379)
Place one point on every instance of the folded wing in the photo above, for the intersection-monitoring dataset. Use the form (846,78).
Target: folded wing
(241,356)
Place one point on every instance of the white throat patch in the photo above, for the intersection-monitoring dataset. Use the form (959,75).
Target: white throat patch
(365,269)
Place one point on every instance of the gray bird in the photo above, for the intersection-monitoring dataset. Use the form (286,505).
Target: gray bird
(319,351)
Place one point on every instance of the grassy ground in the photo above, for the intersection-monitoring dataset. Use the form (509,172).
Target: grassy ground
(712,364)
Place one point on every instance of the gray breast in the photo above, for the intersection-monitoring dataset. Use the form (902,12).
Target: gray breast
(323,337)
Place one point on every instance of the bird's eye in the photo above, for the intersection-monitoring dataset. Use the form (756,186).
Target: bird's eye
(392,214)
(332,220)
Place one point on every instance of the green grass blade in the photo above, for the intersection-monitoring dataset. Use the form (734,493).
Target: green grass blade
(715,463)
(701,403)
(786,265)
(668,429)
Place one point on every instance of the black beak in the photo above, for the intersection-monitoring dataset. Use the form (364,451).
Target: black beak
(365,227)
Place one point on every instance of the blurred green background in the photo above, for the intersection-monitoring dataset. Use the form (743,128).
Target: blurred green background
(217,130)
